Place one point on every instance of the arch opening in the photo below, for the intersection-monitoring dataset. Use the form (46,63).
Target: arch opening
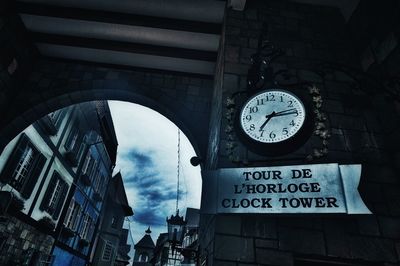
(71,168)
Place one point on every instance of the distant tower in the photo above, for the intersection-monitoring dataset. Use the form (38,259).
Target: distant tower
(144,250)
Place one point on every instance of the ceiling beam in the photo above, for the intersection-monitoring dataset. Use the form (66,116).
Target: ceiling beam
(121,33)
(205,10)
(127,59)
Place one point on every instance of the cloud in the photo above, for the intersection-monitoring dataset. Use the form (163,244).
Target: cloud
(149,218)
(147,159)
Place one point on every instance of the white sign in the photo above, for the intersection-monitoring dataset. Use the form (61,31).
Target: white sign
(314,188)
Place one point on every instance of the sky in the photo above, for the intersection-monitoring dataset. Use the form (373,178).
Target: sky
(147,159)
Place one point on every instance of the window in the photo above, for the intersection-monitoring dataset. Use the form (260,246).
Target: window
(23,167)
(56,117)
(74,139)
(143,257)
(107,251)
(88,165)
(87,224)
(54,196)
(73,215)
(114,222)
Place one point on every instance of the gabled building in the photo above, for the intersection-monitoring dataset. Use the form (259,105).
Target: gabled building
(144,250)
(53,178)
(111,240)
(190,243)
(124,248)
(185,253)
(90,148)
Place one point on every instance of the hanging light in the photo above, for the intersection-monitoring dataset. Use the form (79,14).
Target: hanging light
(176,223)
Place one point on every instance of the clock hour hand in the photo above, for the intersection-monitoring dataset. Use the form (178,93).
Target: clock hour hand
(266,121)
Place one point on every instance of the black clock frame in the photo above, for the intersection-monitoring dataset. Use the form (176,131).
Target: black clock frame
(283,147)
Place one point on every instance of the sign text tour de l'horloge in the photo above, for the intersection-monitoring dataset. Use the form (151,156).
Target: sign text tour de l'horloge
(316,188)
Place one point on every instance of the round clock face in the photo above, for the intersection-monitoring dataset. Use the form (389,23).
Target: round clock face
(272,116)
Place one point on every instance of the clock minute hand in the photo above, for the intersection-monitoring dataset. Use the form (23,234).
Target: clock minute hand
(286,112)
(266,121)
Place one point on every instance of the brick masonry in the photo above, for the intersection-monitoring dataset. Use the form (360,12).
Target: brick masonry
(361,120)
(52,85)
(20,240)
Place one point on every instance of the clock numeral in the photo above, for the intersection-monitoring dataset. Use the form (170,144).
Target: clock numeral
(292,123)
(285,131)
(290,103)
(262,133)
(272,135)
(271,98)
(252,127)
(281,97)
(254,109)
(260,101)
(248,117)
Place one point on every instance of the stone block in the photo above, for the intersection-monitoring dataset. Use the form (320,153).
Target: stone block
(389,227)
(347,122)
(224,263)
(232,53)
(234,248)
(250,14)
(375,249)
(273,257)
(368,225)
(266,243)
(301,240)
(394,207)
(245,55)
(228,224)
(259,226)
(337,142)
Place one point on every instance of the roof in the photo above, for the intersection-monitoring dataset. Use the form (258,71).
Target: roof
(192,217)
(145,242)
(119,194)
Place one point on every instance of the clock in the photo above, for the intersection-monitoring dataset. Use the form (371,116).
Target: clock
(273,121)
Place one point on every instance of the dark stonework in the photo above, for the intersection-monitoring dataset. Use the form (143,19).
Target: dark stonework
(22,239)
(361,121)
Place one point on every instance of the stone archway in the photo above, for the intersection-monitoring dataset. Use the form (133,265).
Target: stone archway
(53,85)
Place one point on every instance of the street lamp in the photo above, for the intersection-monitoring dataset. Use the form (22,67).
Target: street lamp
(176,229)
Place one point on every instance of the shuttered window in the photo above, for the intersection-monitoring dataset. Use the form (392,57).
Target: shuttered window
(74,139)
(54,196)
(86,230)
(56,117)
(23,167)
(73,215)
(107,251)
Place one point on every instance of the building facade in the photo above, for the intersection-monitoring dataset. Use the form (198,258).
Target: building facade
(144,250)
(111,240)
(60,155)
(185,253)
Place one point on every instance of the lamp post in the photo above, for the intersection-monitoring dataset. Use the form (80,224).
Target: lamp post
(176,223)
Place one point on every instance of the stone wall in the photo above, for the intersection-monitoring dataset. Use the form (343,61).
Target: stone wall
(21,241)
(185,100)
(361,120)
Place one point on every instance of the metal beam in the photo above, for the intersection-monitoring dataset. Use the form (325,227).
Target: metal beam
(127,59)
(205,11)
(121,33)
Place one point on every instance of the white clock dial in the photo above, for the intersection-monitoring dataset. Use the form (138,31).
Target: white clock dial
(272,116)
